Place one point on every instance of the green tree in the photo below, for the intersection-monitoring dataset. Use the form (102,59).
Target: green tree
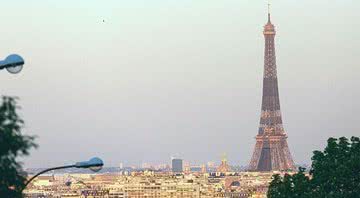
(296,185)
(13,144)
(335,172)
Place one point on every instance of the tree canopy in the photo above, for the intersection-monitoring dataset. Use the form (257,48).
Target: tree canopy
(13,144)
(335,172)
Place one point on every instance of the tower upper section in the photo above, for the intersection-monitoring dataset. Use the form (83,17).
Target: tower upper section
(270,121)
(269,28)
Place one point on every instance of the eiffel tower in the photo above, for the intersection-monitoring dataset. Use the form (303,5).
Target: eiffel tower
(271,149)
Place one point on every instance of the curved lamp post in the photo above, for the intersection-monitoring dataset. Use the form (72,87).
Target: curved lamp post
(95,164)
(13,63)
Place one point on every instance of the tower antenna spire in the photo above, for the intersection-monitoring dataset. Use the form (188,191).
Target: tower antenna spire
(269,11)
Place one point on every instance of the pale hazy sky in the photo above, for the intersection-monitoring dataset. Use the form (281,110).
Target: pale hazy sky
(178,77)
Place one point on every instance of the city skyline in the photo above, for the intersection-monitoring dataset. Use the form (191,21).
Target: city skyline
(142,83)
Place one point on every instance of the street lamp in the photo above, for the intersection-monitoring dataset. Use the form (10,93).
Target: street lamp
(13,63)
(95,164)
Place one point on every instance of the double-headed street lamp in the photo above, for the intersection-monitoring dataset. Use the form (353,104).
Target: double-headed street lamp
(13,63)
(95,164)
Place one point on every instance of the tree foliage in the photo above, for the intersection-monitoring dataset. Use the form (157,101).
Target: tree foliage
(335,172)
(13,144)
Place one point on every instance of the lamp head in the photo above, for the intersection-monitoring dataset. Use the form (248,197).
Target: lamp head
(14,63)
(95,164)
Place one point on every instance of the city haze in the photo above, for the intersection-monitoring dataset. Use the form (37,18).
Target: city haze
(141,81)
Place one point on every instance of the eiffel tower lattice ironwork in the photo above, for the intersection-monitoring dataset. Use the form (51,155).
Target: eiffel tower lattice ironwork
(271,149)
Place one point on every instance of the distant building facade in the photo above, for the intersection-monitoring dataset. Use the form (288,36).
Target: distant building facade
(177,165)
